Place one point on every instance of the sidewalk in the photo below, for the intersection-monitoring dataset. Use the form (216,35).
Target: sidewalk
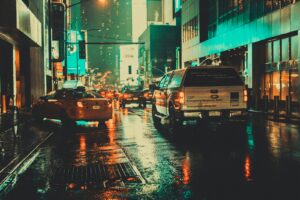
(280,117)
(20,140)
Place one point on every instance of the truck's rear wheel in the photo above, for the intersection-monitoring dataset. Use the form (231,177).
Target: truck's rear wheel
(175,125)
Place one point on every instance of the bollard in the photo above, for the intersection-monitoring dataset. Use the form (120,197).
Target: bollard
(276,105)
(265,103)
(15,118)
(288,104)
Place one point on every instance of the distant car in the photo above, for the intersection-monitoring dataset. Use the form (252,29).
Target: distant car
(146,96)
(131,95)
(70,105)
(200,93)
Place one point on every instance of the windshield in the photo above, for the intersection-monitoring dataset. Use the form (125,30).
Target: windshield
(212,77)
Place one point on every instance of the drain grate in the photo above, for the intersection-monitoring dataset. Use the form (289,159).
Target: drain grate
(96,173)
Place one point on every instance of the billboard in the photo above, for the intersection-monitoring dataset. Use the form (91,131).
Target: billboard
(74,63)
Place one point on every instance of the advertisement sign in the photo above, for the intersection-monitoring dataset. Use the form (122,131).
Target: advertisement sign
(177,5)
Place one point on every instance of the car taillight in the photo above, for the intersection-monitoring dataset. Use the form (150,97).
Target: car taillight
(79,104)
(109,94)
(245,95)
(181,97)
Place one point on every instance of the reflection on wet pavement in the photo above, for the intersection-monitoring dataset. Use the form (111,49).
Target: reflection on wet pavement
(130,159)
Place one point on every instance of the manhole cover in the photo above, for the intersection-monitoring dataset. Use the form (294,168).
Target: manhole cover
(95,174)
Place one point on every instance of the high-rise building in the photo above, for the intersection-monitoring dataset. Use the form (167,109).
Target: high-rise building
(106,22)
(259,38)
(162,40)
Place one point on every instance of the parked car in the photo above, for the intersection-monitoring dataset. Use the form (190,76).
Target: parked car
(70,105)
(200,93)
(131,95)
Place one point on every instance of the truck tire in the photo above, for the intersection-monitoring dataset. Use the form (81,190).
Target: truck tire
(175,125)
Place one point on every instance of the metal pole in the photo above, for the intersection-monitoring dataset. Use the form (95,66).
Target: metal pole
(50,35)
(65,70)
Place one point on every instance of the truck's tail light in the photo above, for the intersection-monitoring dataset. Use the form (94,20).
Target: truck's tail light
(181,97)
(79,104)
(245,95)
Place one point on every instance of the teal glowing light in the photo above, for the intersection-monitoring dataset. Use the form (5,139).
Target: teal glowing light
(177,5)
(74,63)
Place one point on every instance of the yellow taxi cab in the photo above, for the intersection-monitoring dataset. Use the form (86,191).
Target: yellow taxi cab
(70,105)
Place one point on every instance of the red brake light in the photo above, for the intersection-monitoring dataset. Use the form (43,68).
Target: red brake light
(245,95)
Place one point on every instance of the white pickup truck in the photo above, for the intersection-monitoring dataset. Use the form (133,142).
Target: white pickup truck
(201,93)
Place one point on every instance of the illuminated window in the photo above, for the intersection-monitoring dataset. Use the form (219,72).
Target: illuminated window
(294,85)
(275,84)
(285,79)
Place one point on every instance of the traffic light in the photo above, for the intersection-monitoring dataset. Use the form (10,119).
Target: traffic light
(82,49)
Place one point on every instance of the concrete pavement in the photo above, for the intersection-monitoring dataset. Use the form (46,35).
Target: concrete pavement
(20,138)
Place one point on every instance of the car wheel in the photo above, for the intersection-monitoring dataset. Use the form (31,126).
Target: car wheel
(175,126)
(37,115)
(156,120)
(101,124)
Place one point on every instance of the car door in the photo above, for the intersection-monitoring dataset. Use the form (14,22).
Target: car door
(165,94)
(158,96)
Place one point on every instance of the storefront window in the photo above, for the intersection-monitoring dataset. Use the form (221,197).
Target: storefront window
(284,84)
(268,85)
(276,50)
(294,84)
(285,49)
(269,52)
(275,84)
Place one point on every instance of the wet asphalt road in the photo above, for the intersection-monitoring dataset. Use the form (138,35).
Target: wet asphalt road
(130,159)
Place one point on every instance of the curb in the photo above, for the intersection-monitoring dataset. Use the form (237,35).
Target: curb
(278,117)
(9,173)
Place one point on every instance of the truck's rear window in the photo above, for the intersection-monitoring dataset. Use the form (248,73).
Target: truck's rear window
(212,77)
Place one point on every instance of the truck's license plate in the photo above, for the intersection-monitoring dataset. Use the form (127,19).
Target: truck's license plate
(214,113)
(96,107)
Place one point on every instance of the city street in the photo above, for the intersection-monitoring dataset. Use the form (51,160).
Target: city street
(130,159)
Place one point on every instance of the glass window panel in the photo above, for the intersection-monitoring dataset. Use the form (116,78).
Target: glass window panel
(276,51)
(284,84)
(294,84)
(294,47)
(285,49)
(268,85)
(275,84)
(269,52)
